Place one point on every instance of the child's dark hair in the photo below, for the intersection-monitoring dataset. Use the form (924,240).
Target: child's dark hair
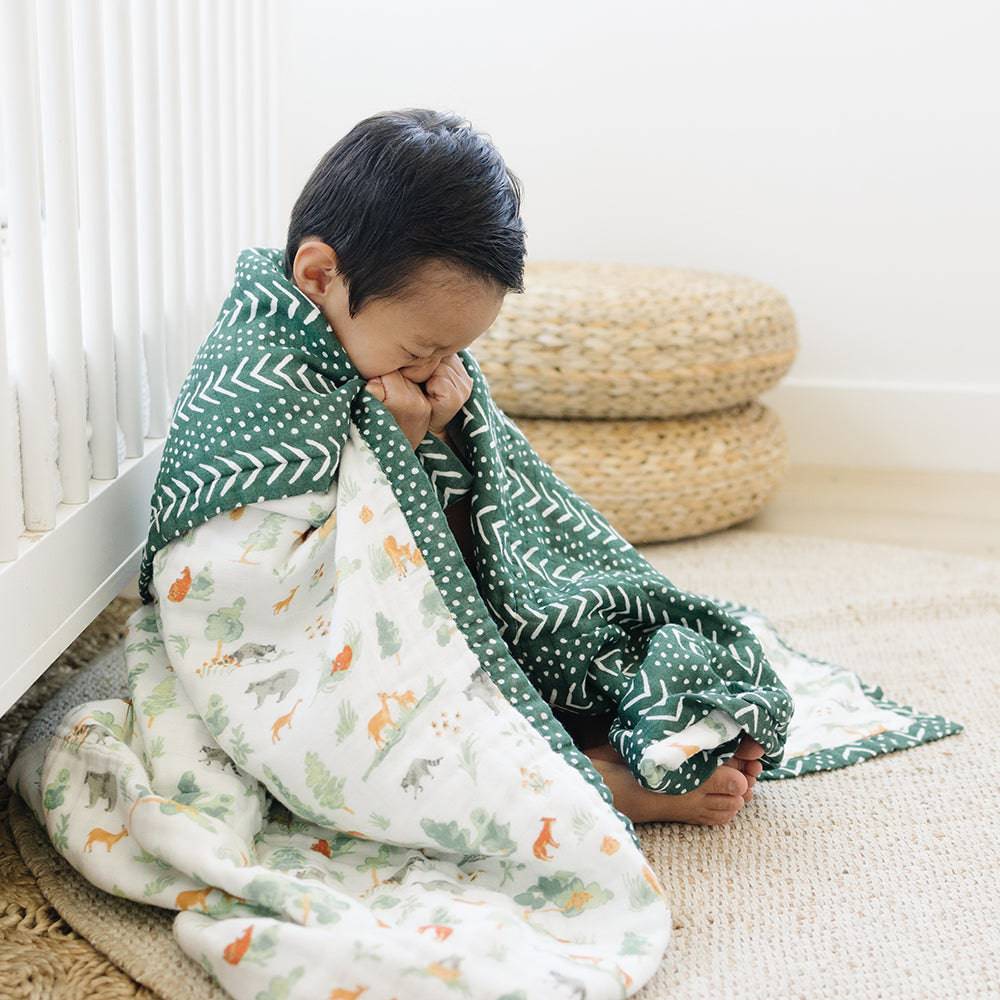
(403,187)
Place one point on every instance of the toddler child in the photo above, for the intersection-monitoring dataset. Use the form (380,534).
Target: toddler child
(408,237)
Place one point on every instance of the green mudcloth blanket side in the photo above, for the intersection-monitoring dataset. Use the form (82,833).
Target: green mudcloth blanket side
(588,625)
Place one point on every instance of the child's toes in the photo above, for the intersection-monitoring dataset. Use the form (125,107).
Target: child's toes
(720,809)
(730,781)
(749,748)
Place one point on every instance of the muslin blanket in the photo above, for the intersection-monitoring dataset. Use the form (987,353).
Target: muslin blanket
(339,761)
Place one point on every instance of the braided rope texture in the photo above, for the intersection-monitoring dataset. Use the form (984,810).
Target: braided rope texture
(659,480)
(630,341)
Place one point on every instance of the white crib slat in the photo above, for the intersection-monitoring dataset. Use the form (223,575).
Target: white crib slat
(244,123)
(277,217)
(95,253)
(61,249)
(216,286)
(168,13)
(196,303)
(124,239)
(11,524)
(228,132)
(257,56)
(26,308)
(149,216)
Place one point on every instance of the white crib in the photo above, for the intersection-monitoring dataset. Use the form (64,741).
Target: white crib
(134,165)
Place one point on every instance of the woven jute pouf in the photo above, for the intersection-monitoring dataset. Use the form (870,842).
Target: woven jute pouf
(658,480)
(629,340)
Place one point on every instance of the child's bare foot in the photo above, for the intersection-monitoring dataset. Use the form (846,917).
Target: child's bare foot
(714,802)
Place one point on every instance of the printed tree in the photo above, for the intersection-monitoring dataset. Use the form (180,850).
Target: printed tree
(215,717)
(56,791)
(432,608)
(239,749)
(329,790)
(202,585)
(161,699)
(347,719)
(386,854)
(223,625)
(388,636)
(264,536)
(380,563)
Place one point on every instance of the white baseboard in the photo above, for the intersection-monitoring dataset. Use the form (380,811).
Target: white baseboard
(890,424)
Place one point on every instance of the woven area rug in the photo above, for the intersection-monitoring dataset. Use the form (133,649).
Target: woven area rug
(875,880)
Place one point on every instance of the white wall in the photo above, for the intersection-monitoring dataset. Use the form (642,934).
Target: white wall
(846,152)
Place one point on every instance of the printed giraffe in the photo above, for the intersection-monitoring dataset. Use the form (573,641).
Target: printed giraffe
(398,554)
(105,837)
(545,840)
(179,588)
(381,719)
(342,994)
(282,721)
(282,605)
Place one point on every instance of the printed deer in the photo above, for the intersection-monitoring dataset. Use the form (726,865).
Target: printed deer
(398,554)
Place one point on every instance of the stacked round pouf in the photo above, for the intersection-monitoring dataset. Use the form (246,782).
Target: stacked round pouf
(639,386)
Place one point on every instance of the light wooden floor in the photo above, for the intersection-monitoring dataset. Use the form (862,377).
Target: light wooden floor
(956,511)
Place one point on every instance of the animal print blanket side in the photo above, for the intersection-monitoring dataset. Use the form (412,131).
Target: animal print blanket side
(317,773)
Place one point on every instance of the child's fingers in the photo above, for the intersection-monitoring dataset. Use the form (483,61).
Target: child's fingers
(377,388)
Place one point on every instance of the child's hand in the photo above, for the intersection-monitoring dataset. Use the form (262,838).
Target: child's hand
(406,401)
(447,389)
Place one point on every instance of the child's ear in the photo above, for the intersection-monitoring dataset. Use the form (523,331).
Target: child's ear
(314,269)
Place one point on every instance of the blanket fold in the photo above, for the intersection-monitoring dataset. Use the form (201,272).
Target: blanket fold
(339,759)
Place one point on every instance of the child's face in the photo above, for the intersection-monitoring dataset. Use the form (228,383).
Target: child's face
(442,312)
